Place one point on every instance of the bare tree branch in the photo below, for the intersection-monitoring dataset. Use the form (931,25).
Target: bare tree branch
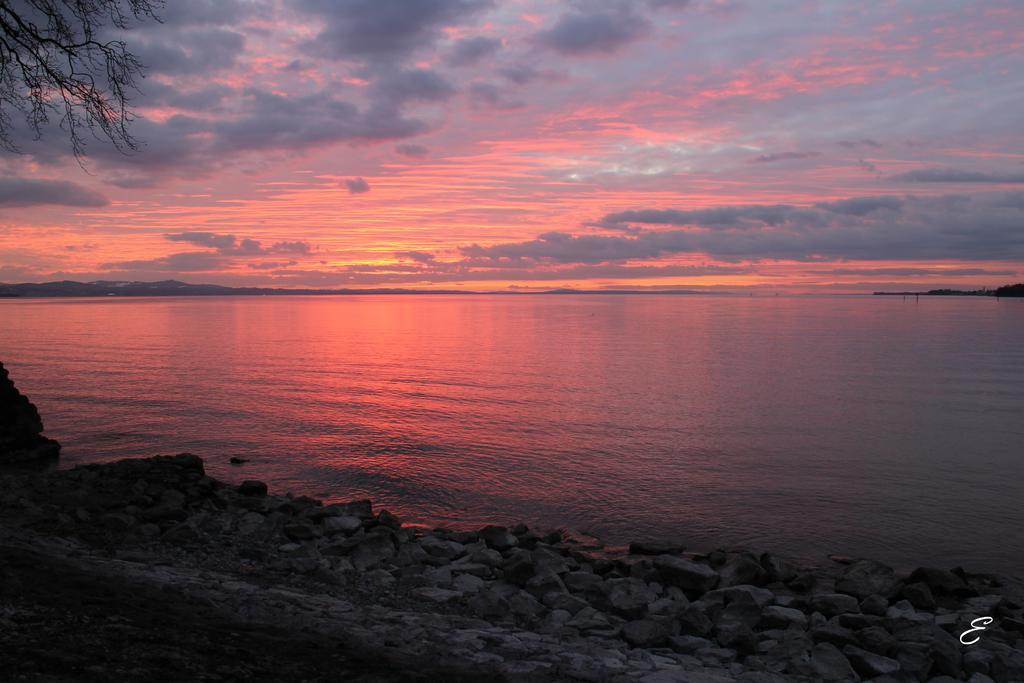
(54,61)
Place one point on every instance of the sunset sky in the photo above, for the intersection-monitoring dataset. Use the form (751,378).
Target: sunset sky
(804,145)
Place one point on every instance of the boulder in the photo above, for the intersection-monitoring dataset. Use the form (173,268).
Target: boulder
(866,577)
(21,428)
(775,616)
(939,581)
(629,597)
(644,633)
(832,604)
(829,664)
(371,550)
(343,524)
(777,569)
(498,537)
(919,595)
(876,639)
(686,574)
(742,568)
(252,487)
(869,664)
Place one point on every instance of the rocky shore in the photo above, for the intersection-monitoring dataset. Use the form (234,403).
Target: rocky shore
(21,428)
(150,569)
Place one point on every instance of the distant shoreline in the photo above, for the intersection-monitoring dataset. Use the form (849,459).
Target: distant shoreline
(71,289)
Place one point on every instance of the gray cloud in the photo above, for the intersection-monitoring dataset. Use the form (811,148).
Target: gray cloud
(858,144)
(183,262)
(15,192)
(584,32)
(230,245)
(188,51)
(520,74)
(412,85)
(412,151)
(385,31)
(491,96)
(954,227)
(783,156)
(912,272)
(469,51)
(952,175)
(418,256)
(861,206)
(357,185)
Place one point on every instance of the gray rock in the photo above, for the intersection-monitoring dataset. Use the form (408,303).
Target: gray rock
(866,577)
(775,616)
(372,550)
(914,660)
(740,569)
(252,487)
(486,556)
(869,664)
(117,521)
(434,594)
(939,581)
(919,595)
(585,582)
(978,660)
(491,603)
(467,583)
(629,597)
(1008,663)
(498,537)
(874,604)
(829,664)
(694,622)
(734,626)
(832,632)
(300,531)
(547,560)
(443,549)
(944,651)
(545,582)
(803,581)
(522,604)
(589,618)
(564,601)
(876,639)
(342,524)
(777,569)
(832,604)
(752,594)
(519,568)
(440,577)
(644,633)
(688,644)
(410,554)
(686,574)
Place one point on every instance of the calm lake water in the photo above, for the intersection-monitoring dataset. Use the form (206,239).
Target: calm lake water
(807,426)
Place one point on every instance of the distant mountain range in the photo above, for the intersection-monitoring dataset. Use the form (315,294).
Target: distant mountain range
(69,288)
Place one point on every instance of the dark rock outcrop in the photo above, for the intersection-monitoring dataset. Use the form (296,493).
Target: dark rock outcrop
(21,428)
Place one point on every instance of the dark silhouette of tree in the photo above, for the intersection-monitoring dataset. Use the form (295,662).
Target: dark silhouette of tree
(56,60)
(1011,290)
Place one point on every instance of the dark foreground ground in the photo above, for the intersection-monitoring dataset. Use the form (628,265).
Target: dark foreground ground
(66,623)
(148,570)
